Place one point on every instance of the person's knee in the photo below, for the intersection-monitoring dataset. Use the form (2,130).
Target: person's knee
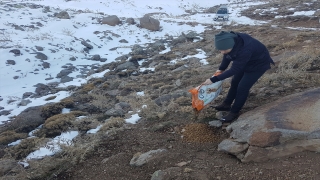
(234,82)
(243,89)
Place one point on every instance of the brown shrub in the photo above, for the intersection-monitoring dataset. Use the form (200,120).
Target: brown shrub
(56,124)
(86,123)
(82,98)
(11,136)
(50,110)
(25,147)
(166,88)
(67,102)
(53,109)
(87,88)
(112,122)
(157,85)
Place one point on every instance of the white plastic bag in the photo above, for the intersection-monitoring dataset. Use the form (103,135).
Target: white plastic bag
(204,94)
(207,93)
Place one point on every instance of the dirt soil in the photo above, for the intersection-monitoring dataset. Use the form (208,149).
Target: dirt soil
(202,160)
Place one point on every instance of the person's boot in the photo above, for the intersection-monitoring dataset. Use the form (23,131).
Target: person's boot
(223,107)
(230,117)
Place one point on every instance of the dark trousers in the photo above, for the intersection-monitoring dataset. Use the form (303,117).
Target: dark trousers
(241,84)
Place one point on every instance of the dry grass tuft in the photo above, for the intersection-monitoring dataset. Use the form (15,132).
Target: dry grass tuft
(53,109)
(100,101)
(166,88)
(11,136)
(87,88)
(287,45)
(50,110)
(214,60)
(86,123)
(67,102)
(89,143)
(56,124)
(111,123)
(25,147)
(157,85)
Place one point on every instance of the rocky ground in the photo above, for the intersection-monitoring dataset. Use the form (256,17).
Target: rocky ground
(178,145)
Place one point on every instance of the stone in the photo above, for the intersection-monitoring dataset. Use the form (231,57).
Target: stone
(110,20)
(284,127)
(26,95)
(11,62)
(232,147)
(39,48)
(126,65)
(24,102)
(41,56)
(65,79)
(115,112)
(130,21)
(16,52)
(265,139)
(215,123)
(96,57)
(27,120)
(46,65)
(169,173)
(86,44)
(63,15)
(140,159)
(149,23)
(63,73)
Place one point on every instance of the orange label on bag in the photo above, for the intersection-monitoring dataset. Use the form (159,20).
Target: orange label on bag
(196,102)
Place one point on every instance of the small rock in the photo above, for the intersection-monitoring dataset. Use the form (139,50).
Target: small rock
(62,15)
(87,45)
(96,57)
(41,56)
(187,170)
(11,62)
(24,102)
(16,52)
(72,59)
(26,94)
(215,123)
(4,113)
(39,48)
(46,65)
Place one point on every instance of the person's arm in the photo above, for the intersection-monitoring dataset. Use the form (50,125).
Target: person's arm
(238,65)
(224,63)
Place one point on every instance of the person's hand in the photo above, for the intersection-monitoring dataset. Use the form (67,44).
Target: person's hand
(218,72)
(207,82)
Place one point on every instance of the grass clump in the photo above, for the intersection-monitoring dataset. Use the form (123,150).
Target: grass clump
(25,147)
(87,88)
(56,124)
(11,136)
(51,110)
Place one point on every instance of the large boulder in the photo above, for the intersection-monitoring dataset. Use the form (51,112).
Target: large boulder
(26,121)
(149,23)
(284,127)
(111,20)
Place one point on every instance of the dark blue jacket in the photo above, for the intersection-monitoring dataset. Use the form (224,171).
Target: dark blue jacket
(247,55)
